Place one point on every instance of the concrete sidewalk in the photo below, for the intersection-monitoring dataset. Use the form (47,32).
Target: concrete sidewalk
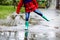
(44,30)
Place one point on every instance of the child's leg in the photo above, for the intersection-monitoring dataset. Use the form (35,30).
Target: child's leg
(39,13)
(27,20)
(26,25)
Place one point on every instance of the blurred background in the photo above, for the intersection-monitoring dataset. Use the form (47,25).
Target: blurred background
(9,6)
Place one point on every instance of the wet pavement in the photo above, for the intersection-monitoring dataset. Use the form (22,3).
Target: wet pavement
(42,31)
